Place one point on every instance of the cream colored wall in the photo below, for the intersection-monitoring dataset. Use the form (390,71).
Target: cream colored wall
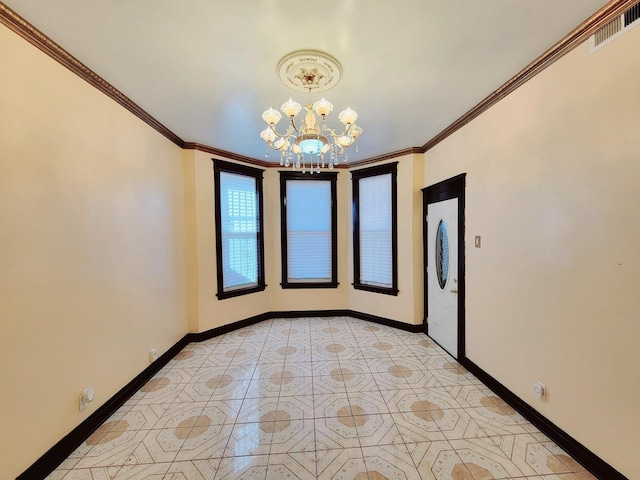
(553,173)
(407,306)
(205,310)
(91,249)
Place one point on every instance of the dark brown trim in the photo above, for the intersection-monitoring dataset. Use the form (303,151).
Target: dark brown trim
(48,462)
(322,177)
(238,169)
(382,158)
(570,41)
(19,25)
(356,176)
(228,155)
(445,190)
(582,454)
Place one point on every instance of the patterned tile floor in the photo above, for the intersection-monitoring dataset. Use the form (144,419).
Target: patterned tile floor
(329,398)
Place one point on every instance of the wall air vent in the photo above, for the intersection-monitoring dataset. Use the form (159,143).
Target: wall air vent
(615,28)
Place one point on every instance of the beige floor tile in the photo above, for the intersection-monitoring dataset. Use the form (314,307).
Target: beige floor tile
(154,471)
(298,407)
(389,461)
(112,449)
(254,408)
(376,430)
(331,405)
(327,385)
(438,461)
(96,473)
(370,402)
(177,413)
(416,427)
(205,442)
(244,467)
(295,385)
(317,398)
(344,464)
(292,435)
(193,470)
(292,466)
(248,439)
(484,459)
(336,433)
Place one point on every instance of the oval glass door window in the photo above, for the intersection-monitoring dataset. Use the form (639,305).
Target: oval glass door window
(442,254)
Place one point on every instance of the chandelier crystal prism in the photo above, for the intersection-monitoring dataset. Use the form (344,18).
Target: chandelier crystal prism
(310,144)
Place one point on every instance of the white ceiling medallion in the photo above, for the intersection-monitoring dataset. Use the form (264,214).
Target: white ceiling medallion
(310,144)
(305,70)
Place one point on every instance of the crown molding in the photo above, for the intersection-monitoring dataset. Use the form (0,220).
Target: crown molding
(570,41)
(20,26)
(227,155)
(34,36)
(384,157)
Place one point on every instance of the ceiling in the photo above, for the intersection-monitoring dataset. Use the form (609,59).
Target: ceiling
(206,69)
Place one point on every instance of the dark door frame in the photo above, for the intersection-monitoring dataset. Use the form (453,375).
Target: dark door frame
(447,189)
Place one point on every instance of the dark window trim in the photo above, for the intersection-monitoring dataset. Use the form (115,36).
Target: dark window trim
(229,167)
(325,176)
(388,168)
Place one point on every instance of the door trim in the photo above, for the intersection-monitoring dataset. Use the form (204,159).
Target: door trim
(445,190)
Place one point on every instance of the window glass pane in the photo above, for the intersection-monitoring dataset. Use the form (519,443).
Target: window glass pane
(239,230)
(375,219)
(309,252)
(442,254)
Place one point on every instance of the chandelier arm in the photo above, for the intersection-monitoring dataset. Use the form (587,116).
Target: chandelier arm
(348,129)
(278,134)
(293,125)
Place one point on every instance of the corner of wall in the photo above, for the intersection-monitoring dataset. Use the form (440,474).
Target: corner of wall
(191,238)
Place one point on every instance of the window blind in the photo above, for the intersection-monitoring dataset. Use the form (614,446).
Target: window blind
(375,217)
(309,255)
(239,230)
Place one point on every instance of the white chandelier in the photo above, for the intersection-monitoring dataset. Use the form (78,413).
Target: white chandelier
(311,144)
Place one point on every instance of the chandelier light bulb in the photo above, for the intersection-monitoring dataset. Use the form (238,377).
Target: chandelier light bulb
(271,116)
(344,140)
(279,143)
(267,135)
(348,116)
(323,107)
(291,108)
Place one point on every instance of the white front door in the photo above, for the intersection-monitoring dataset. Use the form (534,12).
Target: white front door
(442,281)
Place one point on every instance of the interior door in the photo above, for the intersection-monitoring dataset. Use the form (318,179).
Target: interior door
(442,273)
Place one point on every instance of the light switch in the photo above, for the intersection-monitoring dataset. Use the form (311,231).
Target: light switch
(478,241)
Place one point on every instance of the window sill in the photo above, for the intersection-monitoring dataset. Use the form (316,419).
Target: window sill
(374,289)
(240,292)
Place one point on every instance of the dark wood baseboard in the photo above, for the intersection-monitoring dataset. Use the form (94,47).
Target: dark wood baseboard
(61,450)
(48,462)
(579,452)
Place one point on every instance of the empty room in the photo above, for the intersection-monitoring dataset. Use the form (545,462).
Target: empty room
(340,240)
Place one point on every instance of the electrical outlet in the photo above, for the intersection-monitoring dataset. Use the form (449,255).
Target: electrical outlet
(86,397)
(153,355)
(540,390)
